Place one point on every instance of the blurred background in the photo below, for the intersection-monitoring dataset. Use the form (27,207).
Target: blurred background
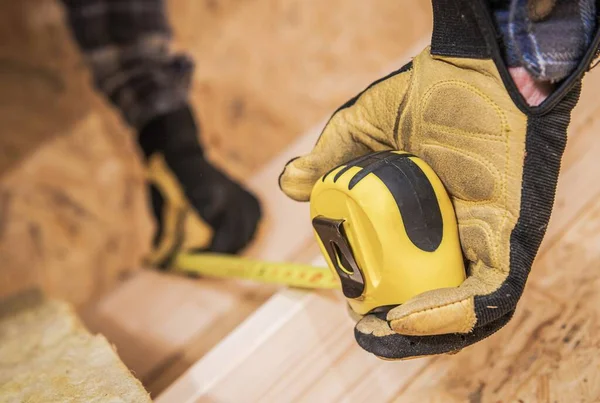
(74,216)
(71,194)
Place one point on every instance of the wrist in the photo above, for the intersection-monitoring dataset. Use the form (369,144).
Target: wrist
(534,92)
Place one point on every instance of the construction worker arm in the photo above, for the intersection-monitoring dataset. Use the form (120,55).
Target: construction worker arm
(127,45)
(457,105)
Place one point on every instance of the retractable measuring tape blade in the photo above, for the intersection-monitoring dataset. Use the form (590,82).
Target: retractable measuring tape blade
(224,266)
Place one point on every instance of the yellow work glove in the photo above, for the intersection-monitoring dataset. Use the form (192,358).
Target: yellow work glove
(456,107)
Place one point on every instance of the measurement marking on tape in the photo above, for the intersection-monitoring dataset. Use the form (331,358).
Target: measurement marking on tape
(225,266)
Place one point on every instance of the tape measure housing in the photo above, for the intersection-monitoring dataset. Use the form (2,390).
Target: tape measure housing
(387,229)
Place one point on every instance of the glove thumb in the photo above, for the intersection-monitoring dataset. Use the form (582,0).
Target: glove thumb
(362,125)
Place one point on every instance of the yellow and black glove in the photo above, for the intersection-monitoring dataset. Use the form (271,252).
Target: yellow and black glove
(456,107)
(197,206)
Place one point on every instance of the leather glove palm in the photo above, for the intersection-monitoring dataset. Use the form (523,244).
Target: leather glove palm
(187,190)
(456,108)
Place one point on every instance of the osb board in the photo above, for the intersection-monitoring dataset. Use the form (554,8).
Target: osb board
(348,60)
(73,209)
(302,343)
(268,70)
(47,356)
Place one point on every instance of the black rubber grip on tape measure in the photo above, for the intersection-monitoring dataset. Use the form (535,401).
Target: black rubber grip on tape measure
(412,191)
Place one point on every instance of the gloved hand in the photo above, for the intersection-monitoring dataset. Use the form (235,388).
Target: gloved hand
(456,107)
(186,189)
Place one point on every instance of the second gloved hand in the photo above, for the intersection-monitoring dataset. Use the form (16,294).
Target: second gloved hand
(191,188)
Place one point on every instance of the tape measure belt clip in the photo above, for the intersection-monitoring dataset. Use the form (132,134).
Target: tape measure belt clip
(332,235)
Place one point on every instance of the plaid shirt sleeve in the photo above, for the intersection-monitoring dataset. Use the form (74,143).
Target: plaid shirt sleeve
(126,44)
(546,37)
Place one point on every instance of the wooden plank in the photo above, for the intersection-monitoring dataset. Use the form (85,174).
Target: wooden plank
(306,352)
(170,305)
(303,344)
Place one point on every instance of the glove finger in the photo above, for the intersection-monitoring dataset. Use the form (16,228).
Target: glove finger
(300,174)
(157,202)
(169,211)
(442,311)
(366,123)
(225,239)
(374,335)
(234,229)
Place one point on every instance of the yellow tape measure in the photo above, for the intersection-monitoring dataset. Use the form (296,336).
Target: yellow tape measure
(225,266)
(384,222)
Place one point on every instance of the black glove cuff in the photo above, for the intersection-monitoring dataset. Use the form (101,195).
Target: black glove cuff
(175,134)
(461,28)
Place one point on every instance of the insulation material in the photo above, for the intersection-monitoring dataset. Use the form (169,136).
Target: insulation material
(47,356)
